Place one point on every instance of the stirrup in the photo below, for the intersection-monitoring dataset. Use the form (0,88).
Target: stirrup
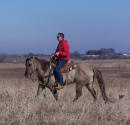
(59,87)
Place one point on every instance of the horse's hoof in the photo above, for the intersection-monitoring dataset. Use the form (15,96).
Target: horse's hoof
(75,99)
(56,99)
(95,99)
(35,96)
(106,100)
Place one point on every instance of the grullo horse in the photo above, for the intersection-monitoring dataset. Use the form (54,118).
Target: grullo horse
(83,75)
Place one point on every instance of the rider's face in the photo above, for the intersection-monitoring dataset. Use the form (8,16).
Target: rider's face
(59,38)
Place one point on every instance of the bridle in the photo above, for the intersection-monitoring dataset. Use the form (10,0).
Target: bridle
(32,74)
(53,62)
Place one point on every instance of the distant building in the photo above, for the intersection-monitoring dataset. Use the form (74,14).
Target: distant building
(103,51)
(125,54)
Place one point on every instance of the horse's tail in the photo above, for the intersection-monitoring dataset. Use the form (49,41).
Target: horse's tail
(98,75)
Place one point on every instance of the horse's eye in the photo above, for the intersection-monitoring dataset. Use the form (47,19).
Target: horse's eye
(29,64)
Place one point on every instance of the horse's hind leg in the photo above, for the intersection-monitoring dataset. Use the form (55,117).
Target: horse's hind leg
(91,89)
(102,88)
(78,91)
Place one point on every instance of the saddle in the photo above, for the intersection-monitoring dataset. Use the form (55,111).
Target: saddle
(70,65)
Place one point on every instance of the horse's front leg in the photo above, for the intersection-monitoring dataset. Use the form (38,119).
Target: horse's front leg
(78,91)
(40,89)
(55,94)
(53,91)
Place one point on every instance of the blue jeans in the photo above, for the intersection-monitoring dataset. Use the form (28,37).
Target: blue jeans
(57,73)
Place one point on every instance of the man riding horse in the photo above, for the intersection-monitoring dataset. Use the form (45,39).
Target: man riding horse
(81,74)
(63,53)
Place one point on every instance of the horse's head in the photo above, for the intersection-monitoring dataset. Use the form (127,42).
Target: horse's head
(30,66)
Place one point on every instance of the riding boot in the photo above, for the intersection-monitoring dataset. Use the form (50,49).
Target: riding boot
(56,83)
(59,86)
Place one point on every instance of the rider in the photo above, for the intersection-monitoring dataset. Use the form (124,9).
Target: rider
(63,52)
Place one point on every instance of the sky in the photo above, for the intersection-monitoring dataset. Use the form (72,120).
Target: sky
(32,25)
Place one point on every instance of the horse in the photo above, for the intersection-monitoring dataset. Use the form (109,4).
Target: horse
(83,75)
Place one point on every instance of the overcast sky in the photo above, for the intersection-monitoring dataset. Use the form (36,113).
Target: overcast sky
(32,25)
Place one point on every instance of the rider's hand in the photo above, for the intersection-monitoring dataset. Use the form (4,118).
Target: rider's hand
(52,55)
(57,53)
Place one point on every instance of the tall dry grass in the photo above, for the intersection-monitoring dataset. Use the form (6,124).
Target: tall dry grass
(19,106)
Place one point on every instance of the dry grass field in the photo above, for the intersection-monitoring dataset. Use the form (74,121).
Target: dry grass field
(19,106)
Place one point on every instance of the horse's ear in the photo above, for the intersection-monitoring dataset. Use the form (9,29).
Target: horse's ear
(28,58)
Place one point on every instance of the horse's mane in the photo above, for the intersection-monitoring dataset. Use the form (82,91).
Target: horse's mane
(44,63)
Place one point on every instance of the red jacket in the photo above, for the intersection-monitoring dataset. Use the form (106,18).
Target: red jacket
(64,50)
